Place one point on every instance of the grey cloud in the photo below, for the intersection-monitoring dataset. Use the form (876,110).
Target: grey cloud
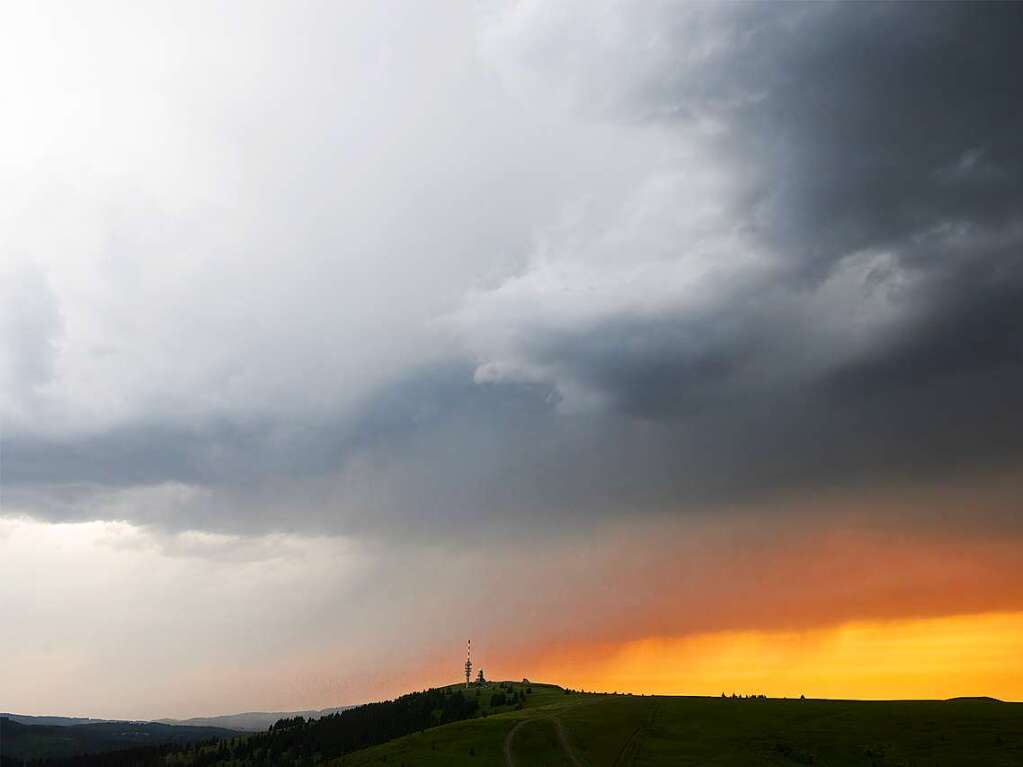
(800,269)
(30,328)
(875,140)
(477,461)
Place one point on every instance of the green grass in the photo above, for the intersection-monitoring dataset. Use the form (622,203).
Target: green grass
(727,732)
(536,743)
(610,730)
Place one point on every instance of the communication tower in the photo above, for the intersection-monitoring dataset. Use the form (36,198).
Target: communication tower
(468,662)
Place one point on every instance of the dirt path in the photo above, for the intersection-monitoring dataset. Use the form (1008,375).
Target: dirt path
(508,761)
(628,748)
(563,740)
(559,729)
(631,746)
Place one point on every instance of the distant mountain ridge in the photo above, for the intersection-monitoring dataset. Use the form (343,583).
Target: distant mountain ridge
(53,721)
(250,721)
(974,699)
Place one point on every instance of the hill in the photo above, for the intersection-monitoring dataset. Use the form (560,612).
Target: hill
(247,721)
(975,699)
(37,741)
(57,721)
(508,724)
(251,721)
(300,741)
(558,728)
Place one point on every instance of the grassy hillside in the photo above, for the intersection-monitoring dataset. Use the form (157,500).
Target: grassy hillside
(534,725)
(587,730)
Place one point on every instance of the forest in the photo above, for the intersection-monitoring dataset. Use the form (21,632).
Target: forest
(298,741)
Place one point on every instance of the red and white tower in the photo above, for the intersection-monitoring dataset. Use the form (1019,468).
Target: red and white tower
(468,661)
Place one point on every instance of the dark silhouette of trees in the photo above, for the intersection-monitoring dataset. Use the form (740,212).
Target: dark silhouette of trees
(296,741)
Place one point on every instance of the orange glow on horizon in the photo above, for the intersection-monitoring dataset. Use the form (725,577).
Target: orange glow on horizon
(967,655)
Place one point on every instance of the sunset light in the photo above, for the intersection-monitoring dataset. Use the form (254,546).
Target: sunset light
(967,655)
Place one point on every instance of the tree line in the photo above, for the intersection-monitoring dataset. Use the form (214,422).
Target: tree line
(296,741)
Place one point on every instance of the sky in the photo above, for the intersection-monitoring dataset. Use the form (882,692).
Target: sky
(662,347)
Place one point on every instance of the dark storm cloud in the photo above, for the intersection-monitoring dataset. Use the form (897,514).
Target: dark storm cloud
(889,121)
(861,128)
(880,163)
(875,163)
(434,447)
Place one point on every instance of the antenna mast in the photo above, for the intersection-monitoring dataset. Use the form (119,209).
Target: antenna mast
(468,662)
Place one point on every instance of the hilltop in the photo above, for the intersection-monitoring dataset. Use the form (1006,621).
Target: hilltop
(975,699)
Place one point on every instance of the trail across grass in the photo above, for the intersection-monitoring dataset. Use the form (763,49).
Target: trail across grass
(539,740)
